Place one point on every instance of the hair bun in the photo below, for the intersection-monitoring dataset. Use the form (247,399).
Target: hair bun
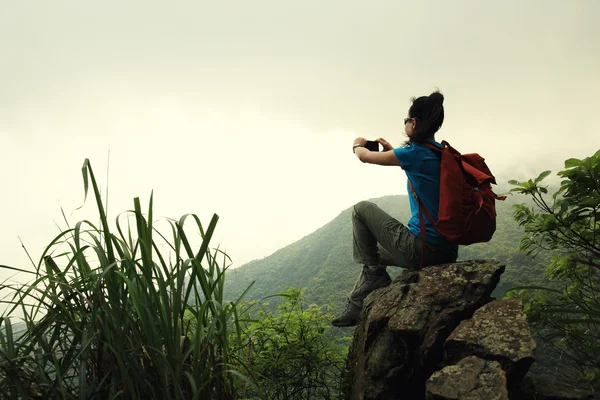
(436,98)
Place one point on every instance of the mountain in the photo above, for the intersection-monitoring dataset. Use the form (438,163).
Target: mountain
(322,261)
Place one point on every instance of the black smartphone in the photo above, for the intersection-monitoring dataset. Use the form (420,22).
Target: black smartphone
(372,145)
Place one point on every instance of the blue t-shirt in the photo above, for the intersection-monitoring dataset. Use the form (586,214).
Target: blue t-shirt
(422,167)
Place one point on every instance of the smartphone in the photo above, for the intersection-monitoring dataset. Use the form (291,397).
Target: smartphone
(372,145)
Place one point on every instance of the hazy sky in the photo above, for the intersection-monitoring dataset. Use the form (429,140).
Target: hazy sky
(248,109)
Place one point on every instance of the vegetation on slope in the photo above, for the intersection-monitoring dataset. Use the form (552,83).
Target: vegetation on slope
(322,261)
(112,316)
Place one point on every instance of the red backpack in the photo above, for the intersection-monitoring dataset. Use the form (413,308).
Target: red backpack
(467,211)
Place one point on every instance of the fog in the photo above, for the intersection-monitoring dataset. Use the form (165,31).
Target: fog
(249,109)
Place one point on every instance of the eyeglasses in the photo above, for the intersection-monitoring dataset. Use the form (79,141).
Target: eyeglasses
(407,119)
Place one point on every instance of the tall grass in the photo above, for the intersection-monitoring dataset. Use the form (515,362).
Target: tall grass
(103,314)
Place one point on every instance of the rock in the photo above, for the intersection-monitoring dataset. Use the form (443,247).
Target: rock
(498,331)
(399,340)
(471,379)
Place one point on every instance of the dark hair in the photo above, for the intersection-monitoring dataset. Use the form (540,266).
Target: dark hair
(429,113)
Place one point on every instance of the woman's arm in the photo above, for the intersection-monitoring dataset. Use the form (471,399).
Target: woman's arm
(376,157)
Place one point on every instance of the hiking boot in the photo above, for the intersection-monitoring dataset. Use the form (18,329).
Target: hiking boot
(371,280)
(349,317)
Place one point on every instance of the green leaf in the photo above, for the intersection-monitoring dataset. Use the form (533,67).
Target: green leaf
(573,162)
(84,168)
(542,176)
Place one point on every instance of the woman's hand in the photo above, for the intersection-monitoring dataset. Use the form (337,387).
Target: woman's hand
(360,140)
(384,143)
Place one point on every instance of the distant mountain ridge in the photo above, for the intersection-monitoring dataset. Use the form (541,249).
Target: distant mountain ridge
(322,261)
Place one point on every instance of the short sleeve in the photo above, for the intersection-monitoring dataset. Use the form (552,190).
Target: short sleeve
(406,156)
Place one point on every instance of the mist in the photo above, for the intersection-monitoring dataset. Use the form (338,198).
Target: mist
(249,110)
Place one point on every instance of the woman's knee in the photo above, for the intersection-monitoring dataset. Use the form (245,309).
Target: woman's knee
(362,206)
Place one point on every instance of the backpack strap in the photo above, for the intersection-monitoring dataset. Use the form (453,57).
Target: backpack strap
(434,147)
(422,209)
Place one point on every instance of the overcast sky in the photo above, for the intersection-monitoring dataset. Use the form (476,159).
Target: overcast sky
(248,109)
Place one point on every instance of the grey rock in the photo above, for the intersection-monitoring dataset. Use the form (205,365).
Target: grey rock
(471,379)
(399,340)
(498,331)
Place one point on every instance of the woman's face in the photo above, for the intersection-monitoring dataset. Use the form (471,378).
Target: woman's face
(409,126)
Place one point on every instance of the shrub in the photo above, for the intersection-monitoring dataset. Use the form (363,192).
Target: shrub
(288,352)
(569,226)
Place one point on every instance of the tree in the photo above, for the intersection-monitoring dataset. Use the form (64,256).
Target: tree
(288,352)
(568,226)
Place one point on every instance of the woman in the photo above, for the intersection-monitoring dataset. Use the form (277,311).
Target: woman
(379,239)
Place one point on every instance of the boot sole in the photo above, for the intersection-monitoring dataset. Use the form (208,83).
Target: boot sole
(343,324)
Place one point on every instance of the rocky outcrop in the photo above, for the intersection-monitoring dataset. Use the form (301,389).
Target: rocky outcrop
(471,379)
(399,341)
(498,331)
(437,334)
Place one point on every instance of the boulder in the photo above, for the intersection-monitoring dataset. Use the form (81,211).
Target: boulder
(498,331)
(471,379)
(399,340)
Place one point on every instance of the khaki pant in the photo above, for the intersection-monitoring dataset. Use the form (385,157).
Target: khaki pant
(380,239)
